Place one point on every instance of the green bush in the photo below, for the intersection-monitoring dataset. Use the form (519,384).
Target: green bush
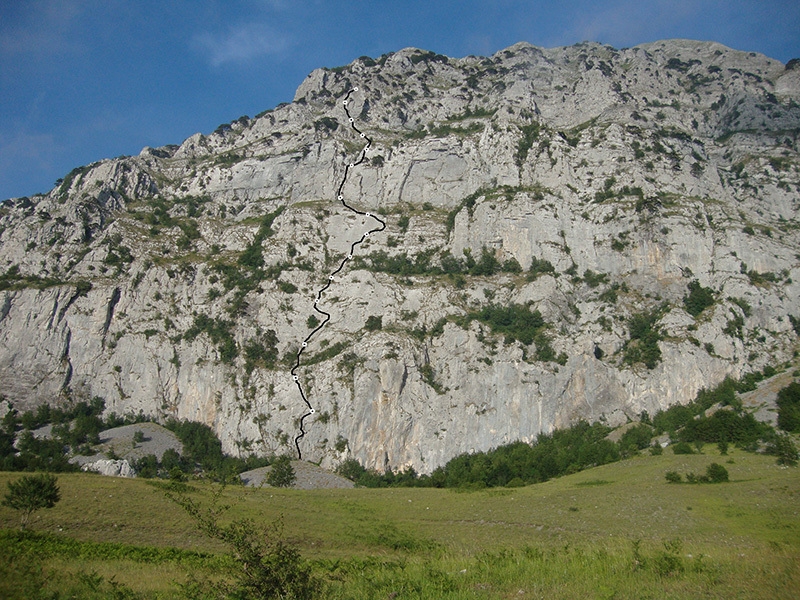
(374,323)
(402,223)
(673,477)
(326,354)
(146,467)
(429,377)
(351,469)
(398,264)
(716,473)
(530,133)
(515,322)
(644,337)
(636,438)
(220,332)
(261,351)
(747,310)
(266,566)
(200,444)
(593,279)
(252,257)
(539,267)
(735,327)
(668,561)
(171,459)
(286,287)
(511,265)
(698,299)
(682,448)
(486,265)
(326,124)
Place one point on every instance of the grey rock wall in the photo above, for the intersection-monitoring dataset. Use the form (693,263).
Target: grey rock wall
(139,279)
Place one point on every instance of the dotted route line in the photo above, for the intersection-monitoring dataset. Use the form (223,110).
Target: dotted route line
(353,246)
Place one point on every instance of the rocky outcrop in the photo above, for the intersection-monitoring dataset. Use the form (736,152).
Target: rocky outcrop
(111,468)
(590,184)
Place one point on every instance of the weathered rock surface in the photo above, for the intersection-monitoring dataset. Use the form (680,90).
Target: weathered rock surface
(111,468)
(157,283)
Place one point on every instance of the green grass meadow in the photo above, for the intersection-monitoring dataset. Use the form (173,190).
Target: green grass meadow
(616,531)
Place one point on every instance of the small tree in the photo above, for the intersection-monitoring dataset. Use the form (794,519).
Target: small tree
(266,566)
(783,447)
(281,474)
(716,473)
(30,493)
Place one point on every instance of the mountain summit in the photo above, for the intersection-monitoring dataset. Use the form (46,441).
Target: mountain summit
(572,233)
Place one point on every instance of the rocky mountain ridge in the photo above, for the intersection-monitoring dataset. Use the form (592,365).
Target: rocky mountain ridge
(577,232)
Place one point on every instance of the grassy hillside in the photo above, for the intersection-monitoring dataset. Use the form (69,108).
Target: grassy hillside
(616,531)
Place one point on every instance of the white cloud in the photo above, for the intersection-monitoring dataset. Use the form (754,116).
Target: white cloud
(241,43)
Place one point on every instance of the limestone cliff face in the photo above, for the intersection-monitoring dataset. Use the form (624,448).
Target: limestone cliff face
(180,282)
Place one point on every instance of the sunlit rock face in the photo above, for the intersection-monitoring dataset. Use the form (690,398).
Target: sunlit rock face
(596,186)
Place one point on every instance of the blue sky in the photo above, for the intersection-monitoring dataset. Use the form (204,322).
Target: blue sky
(82,80)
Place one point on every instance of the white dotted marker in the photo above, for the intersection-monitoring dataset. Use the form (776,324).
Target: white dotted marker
(304,344)
(313,411)
(363,135)
(341,197)
(367,215)
(330,277)
(345,102)
(355,89)
(349,256)
(295,377)
(352,165)
(366,235)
